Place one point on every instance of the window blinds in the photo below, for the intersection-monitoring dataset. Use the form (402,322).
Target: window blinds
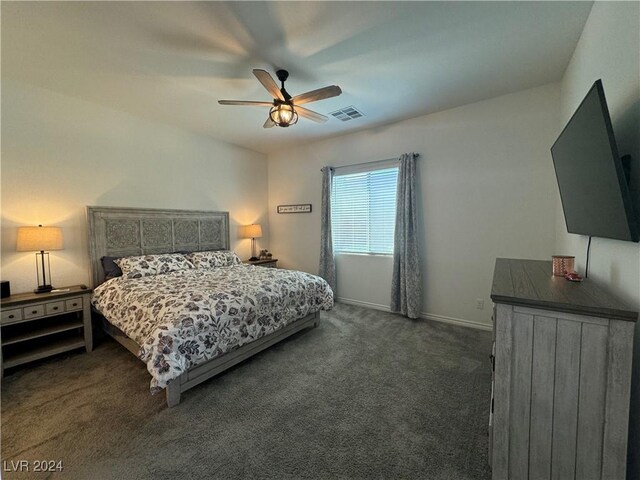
(363,211)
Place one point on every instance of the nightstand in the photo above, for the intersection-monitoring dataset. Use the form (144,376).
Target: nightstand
(271,263)
(36,326)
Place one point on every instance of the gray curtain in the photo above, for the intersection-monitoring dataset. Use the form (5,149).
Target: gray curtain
(327,269)
(406,283)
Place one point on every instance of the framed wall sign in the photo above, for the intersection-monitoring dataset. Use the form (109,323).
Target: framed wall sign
(301,208)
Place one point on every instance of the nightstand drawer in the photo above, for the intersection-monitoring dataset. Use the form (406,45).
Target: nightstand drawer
(33,311)
(10,316)
(54,307)
(73,304)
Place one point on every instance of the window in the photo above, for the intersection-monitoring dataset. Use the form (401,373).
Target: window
(363,211)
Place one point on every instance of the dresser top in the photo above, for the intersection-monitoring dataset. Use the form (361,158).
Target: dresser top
(530,283)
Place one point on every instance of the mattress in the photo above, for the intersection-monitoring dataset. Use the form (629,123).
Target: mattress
(186,317)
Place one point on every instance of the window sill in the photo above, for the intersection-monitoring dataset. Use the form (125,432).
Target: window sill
(358,254)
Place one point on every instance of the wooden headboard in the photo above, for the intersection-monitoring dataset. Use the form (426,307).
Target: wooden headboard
(120,232)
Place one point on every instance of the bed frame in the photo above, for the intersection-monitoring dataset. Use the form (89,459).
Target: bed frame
(119,232)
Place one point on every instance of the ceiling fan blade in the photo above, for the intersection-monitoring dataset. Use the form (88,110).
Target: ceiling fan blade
(311,115)
(245,102)
(269,123)
(269,83)
(315,95)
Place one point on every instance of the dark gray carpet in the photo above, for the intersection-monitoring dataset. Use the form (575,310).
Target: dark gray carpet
(367,394)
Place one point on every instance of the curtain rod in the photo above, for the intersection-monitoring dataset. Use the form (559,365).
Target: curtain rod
(372,162)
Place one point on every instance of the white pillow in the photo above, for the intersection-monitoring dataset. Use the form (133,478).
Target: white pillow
(213,259)
(147,265)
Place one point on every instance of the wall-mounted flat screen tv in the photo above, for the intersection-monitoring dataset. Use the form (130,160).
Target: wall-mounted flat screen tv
(593,186)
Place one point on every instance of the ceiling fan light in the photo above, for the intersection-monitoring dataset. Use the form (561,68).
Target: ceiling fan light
(283,114)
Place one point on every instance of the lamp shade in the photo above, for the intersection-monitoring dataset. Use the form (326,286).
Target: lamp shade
(39,239)
(251,231)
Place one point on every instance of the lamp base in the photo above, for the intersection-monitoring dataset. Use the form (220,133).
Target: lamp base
(253,259)
(43,289)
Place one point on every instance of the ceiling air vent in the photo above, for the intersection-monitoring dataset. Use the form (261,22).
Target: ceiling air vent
(347,113)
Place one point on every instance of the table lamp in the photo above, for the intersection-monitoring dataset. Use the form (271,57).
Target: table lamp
(252,231)
(39,239)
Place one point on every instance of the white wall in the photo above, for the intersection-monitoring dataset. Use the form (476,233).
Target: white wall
(609,48)
(487,190)
(60,154)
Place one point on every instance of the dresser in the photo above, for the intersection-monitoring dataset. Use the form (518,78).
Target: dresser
(561,376)
(36,326)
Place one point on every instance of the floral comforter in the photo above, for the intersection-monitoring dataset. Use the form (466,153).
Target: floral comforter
(186,317)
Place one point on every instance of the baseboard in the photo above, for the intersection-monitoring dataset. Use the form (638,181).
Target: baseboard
(359,303)
(456,321)
(425,315)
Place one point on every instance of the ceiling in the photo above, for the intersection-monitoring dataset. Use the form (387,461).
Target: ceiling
(170,62)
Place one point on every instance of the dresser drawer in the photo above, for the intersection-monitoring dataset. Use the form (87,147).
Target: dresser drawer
(73,304)
(54,307)
(11,316)
(33,311)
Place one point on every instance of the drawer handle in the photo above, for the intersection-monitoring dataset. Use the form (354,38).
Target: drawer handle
(34,312)
(11,316)
(74,304)
(55,308)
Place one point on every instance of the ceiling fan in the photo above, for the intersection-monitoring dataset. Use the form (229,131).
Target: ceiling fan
(284,108)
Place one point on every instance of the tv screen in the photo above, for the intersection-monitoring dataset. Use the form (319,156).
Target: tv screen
(593,188)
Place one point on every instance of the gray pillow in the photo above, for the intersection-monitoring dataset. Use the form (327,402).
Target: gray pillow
(110,268)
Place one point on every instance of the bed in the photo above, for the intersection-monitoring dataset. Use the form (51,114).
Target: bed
(200,311)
